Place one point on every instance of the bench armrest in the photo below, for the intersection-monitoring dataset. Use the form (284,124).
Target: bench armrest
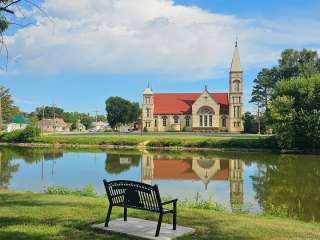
(170,201)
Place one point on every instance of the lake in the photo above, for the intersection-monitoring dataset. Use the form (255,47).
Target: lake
(253,182)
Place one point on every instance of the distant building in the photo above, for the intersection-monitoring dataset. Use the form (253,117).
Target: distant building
(99,126)
(54,125)
(18,122)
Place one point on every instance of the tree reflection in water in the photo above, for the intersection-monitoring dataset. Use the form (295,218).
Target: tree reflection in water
(29,155)
(289,185)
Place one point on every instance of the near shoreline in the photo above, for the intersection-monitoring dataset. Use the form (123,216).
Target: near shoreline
(41,216)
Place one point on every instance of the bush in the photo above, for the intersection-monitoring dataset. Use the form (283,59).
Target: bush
(21,136)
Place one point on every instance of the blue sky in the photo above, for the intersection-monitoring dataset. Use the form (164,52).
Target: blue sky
(80,54)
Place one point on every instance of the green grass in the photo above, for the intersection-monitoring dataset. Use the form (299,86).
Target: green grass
(42,216)
(188,141)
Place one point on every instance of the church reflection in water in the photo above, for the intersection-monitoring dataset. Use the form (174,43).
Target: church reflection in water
(157,167)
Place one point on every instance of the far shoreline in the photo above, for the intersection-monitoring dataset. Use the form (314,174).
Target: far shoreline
(143,147)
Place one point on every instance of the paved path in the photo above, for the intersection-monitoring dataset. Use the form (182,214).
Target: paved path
(144,229)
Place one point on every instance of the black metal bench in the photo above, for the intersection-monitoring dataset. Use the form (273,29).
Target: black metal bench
(131,194)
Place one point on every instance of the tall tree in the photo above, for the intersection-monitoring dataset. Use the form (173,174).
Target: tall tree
(121,111)
(7,107)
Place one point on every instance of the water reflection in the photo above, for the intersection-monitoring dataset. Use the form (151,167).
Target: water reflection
(279,184)
(156,167)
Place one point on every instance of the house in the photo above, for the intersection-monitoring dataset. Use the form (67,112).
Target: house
(99,126)
(54,125)
(201,111)
(18,122)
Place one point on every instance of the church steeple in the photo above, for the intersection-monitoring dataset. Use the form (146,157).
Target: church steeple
(235,64)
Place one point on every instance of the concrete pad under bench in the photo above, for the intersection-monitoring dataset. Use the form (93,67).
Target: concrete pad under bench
(144,229)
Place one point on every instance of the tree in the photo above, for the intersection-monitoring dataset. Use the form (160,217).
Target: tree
(249,123)
(7,107)
(292,64)
(86,120)
(295,112)
(49,112)
(121,111)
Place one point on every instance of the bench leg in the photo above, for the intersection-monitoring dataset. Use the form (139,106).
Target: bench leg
(125,213)
(174,221)
(108,216)
(159,224)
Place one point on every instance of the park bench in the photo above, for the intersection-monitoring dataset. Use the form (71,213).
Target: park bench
(136,195)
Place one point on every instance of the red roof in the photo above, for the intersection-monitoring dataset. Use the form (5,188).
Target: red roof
(181,103)
(182,170)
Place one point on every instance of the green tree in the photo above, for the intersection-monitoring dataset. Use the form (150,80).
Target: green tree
(292,63)
(249,123)
(86,120)
(295,112)
(49,112)
(7,107)
(121,111)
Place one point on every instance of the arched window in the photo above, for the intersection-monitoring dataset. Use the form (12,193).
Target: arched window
(206,116)
(236,85)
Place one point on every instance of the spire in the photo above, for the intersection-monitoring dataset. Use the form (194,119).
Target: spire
(236,65)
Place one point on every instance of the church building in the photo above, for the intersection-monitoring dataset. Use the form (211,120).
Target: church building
(205,111)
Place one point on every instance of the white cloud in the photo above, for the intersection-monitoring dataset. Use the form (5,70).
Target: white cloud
(130,36)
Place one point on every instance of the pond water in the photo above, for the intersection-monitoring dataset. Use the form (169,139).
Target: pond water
(255,182)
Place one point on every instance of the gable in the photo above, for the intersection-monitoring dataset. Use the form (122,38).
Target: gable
(181,103)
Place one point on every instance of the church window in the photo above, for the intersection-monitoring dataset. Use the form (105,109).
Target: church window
(176,119)
(238,112)
(155,122)
(234,111)
(234,124)
(224,122)
(164,121)
(148,112)
(206,114)
(236,84)
(187,121)
(238,123)
(205,120)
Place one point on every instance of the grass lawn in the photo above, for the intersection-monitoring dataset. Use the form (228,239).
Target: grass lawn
(40,216)
(190,141)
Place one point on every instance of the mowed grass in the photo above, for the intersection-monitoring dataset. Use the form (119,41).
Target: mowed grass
(187,141)
(40,216)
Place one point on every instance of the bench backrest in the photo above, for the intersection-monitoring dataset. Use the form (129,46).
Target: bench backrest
(133,194)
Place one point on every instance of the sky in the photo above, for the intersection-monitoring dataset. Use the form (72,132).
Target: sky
(75,54)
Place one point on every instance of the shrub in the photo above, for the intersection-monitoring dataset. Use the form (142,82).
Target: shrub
(21,136)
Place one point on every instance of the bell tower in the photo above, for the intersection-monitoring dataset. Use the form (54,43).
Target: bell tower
(236,184)
(147,110)
(235,93)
